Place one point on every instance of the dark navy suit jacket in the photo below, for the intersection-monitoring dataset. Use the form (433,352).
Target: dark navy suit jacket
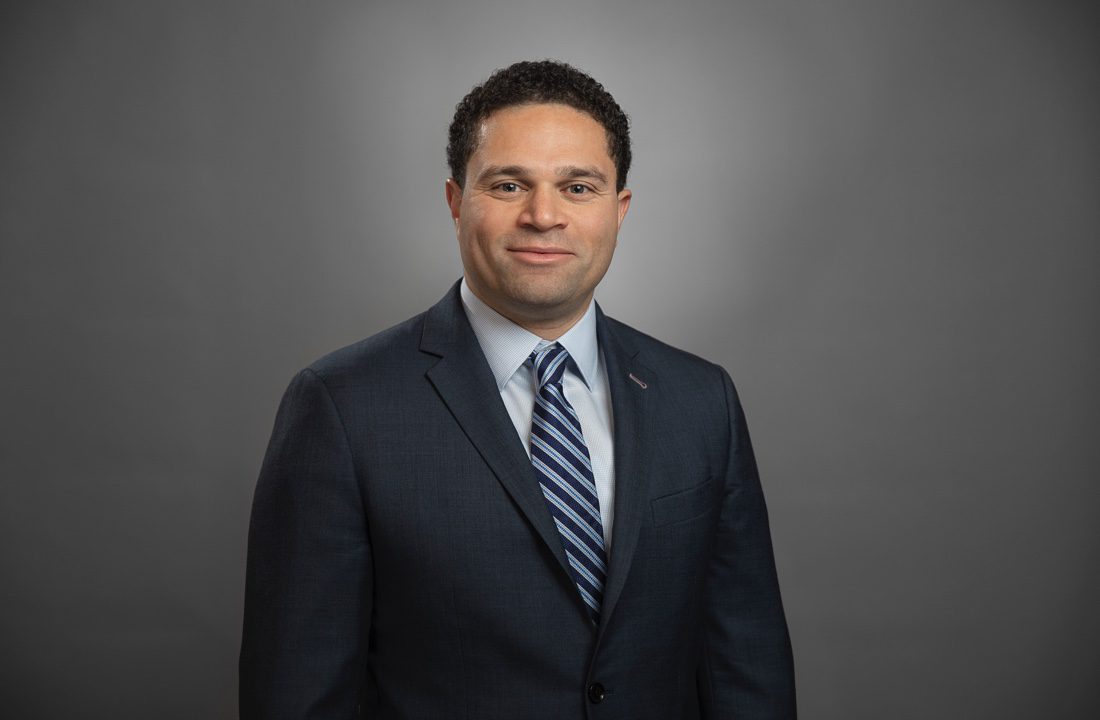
(402,562)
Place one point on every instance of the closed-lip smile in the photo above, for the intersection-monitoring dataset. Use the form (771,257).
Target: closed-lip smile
(538,254)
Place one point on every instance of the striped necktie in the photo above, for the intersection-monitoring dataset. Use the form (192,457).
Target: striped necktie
(564,470)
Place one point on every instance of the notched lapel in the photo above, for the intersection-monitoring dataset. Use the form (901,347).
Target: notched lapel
(465,383)
(632,385)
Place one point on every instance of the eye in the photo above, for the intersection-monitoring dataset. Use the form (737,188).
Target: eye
(578,189)
(508,187)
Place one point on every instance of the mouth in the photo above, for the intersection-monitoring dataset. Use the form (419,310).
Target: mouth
(538,254)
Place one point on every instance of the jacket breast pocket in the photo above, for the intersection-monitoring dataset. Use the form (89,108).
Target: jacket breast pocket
(683,505)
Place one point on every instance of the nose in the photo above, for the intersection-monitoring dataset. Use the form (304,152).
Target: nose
(543,209)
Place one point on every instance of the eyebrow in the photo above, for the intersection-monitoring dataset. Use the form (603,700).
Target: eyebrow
(572,171)
(495,170)
(567,171)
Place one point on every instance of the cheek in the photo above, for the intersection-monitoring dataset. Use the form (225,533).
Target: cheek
(486,228)
(605,234)
(479,245)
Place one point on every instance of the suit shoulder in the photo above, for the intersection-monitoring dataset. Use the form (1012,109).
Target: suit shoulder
(378,355)
(698,392)
(660,354)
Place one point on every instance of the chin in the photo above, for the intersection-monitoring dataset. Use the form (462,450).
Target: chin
(536,297)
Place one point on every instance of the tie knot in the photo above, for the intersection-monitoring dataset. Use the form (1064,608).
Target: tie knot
(550,364)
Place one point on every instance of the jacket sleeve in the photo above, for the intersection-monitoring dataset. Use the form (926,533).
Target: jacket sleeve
(308,585)
(747,669)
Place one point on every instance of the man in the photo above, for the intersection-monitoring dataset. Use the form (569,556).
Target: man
(512,506)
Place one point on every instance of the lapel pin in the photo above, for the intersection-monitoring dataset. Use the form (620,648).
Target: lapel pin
(641,384)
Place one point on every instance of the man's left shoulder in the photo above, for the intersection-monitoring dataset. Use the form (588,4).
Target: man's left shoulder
(693,398)
(661,357)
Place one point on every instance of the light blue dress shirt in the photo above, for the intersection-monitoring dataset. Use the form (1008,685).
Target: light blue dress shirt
(507,347)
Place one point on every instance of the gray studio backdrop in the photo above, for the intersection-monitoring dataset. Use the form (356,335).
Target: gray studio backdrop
(881,217)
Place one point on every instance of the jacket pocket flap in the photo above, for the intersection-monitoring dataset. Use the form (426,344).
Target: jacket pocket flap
(682,505)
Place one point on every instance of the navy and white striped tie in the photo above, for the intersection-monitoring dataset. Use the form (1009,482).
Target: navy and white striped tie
(564,469)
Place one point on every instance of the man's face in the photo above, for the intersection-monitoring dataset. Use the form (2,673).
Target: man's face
(539,215)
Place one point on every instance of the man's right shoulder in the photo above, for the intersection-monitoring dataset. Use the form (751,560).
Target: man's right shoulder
(378,358)
(396,355)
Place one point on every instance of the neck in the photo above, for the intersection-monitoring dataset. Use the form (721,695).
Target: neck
(547,323)
(546,329)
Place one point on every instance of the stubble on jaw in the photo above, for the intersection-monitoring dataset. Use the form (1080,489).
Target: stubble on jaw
(544,303)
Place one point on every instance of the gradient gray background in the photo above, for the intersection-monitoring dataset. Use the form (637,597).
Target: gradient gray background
(881,217)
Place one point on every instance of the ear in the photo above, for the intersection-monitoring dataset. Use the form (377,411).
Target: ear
(454,197)
(624,204)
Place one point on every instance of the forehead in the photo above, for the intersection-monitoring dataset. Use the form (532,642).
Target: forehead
(542,130)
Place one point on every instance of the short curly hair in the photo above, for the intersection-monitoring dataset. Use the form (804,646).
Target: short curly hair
(541,81)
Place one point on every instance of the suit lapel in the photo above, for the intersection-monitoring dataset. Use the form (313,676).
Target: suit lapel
(466,385)
(633,444)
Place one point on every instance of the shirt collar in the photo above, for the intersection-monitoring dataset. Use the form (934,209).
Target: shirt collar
(507,346)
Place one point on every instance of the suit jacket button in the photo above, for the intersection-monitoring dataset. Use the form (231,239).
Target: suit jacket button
(596,693)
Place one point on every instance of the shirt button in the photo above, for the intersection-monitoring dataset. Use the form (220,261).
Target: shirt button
(596,693)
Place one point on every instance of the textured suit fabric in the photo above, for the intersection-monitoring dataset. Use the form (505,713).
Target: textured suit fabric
(402,562)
